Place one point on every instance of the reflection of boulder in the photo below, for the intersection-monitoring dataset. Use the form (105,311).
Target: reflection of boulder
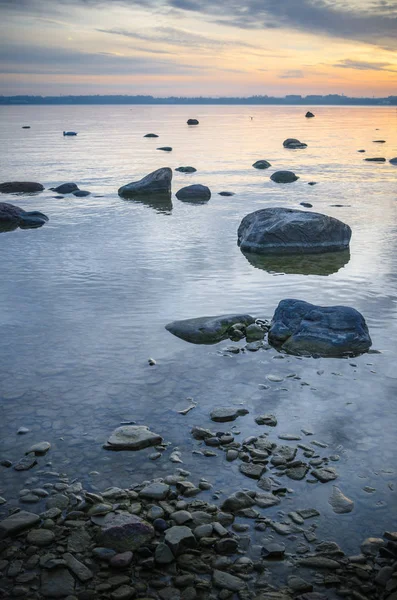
(301,328)
(12,217)
(161,203)
(207,330)
(300,264)
(288,231)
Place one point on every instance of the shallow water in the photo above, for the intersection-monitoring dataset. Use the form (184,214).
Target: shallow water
(85,298)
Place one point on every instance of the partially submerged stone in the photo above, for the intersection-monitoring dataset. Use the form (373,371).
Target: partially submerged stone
(192,122)
(290,231)
(19,521)
(124,531)
(284,177)
(306,329)
(194,193)
(157,183)
(261,164)
(225,414)
(186,169)
(20,187)
(66,188)
(309,115)
(293,144)
(132,437)
(12,216)
(207,330)
(340,503)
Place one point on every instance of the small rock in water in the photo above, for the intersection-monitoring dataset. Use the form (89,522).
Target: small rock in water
(340,503)
(273,550)
(165,148)
(225,414)
(25,463)
(269,420)
(151,361)
(306,204)
(23,430)
(289,436)
(226,193)
(132,437)
(325,474)
(275,378)
(39,449)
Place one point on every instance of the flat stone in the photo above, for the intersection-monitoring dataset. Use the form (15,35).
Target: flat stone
(297,473)
(57,501)
(269,420)
(132,437)
(186,169)
(226,581)
(40,537)
(57,583)
(17,522)
(225,414)
(252,470)
(319,562)
(308,513)
(20,187)
(273,550)
(265,500)
(207,330)
(25,463)
(124,592)
(124,531)
(340,503)
(297,584)
(325,474)
(82,572)
(155,491)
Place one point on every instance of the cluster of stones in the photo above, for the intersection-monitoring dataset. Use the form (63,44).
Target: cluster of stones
(157,540)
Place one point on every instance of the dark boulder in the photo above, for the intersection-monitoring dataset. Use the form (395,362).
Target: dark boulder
(306,204)
(12,217)
(151,135)
(226,193)
(293,144)
(69,133)
(186,169)
(261,164)
(284,177)
(20,187)
(393,161)
(65,188)
(360,150)
(379,141)
(312,183)
(309,115)
(289,231)
(376,159)
(207,330)
(194,193)
(165,148)
(192,122)
(25,126)
(301,328)
(157,183)
(81,193)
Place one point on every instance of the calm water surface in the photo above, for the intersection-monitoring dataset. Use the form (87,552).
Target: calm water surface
(84,299)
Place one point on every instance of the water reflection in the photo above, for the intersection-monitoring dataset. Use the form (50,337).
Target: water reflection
(161,203)
(300,264)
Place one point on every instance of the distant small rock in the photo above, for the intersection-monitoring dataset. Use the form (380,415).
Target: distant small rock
(70,133)
(81,193)
(165,148)
(379,141)
(261,164)
(312,183)
(186,169)
(380,160)
(25,126)
(66,188)
(192,122)
(284,177)
(225,193)
(306,204)
(361,150)
(194,193)
(309,115)
(151,135)
(20,187)
(293,144)
(393,161)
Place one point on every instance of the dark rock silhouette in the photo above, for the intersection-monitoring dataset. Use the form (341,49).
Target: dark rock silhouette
(376,159)
(70,133)
(186,169)
(284,177)
(157,183)
(194,193)
(151,135)
(81,193)
(192,122)
(12,217)
(20,187)
(165,148)
(293,144)
(66,188)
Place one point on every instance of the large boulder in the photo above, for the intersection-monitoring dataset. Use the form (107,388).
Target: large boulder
(289,231)
(293,144)
(20,187)
(12,217)
(207,330)
(302,328)
(284,177)
(194,193)
(156,183)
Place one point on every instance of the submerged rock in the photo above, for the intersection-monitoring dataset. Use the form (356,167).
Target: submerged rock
(186,169)
(293,144)
(17,522)
(376,159)
(132,437)
(194,193)
(225,414)
(81,193)
(65,188)
(156,183)
(207,330)
(20,187)
(12,217)
(261,164)
(299,327)
(284,177)
(226,193)
(289,231)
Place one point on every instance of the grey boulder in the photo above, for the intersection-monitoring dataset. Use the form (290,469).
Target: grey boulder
(156,183)
(132,437)
(194,193)
(261,164)
(207,330)
(17,522)
(66,188)
(20,187)
(284,177)
(301,328)
(289,231)
(12,217)
(293,144)
(123,532)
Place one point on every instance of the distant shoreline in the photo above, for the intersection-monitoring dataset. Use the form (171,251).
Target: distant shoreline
(291,100)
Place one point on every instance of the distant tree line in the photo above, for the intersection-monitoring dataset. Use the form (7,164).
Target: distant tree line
(293,99)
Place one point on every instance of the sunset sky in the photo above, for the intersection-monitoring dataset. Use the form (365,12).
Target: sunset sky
(198,47)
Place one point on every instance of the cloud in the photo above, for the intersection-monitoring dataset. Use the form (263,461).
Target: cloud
(292,74)
(360,65)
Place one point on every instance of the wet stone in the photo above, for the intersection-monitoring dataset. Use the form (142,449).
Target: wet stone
(131,437)
(224,580)
(273,550)
(123,532)
(225,414)
(163,554)
(325,474)
(124,592)
(340,503)
(371,546)
(40,537)
(308,513)
(155,491)
(39,449)
(226,546)
(57,583)
(297,473)
(17,522)
(25,463)
(269,420)
(252,470)
(180,538)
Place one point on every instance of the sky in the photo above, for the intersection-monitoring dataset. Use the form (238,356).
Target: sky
(198,47)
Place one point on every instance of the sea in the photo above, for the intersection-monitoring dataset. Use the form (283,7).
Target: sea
(84,300)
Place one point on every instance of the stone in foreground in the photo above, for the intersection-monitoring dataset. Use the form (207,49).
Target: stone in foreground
(57,583)
(207,330)
(156,183)
(293,144)
(301,328)
(226,581)
(20,187)
(17,522)
(12,217)
(284,177)
(194,193)
(132,437)
(290,231)
(123,532)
